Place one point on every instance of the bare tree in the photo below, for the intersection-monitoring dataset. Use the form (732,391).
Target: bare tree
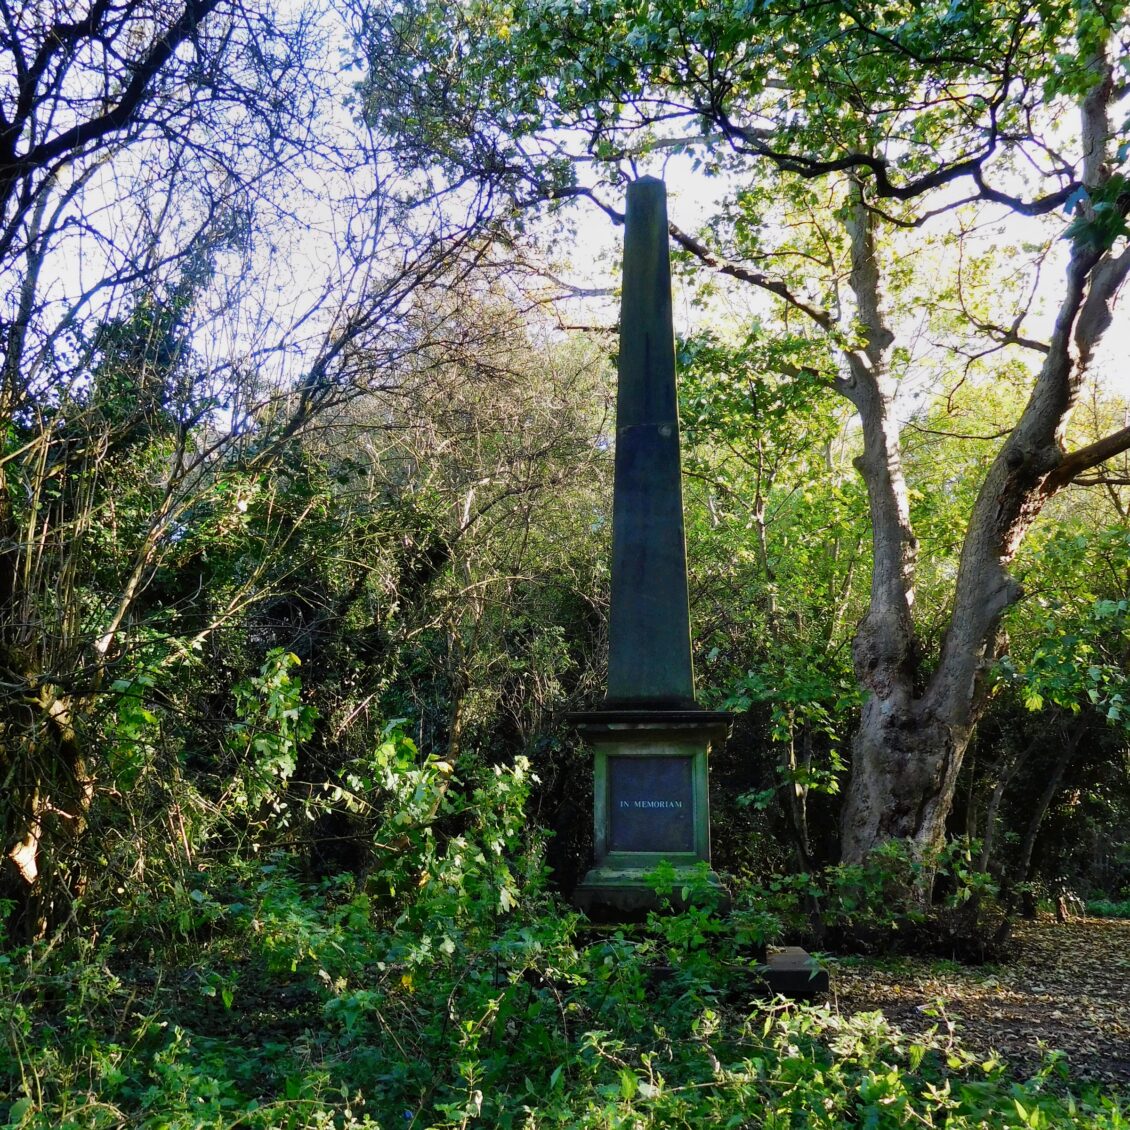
(169,176)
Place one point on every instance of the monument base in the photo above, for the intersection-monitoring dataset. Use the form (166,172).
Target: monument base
(617,890)
(650,807)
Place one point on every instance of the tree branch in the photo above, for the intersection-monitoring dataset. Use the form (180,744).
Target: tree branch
(1075,463)
(747,141)
(132,96)
(737,271)
(956,435)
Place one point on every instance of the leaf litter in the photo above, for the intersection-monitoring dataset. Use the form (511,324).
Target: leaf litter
(1067,988)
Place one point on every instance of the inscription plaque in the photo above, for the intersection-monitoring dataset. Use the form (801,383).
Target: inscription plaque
(651,804)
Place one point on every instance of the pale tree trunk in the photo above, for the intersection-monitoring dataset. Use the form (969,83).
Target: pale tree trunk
(886,783)
(914,731)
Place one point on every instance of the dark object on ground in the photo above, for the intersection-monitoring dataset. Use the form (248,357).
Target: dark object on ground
(793,972)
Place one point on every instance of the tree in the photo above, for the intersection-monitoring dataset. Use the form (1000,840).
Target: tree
(774,540)
(160,167)
(422,556)
(905,121)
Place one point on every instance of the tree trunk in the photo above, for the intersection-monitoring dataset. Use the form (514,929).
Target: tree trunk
(44,814)
(1071,744)
(1006,769)
(904,772)
(918,717)
(915,728)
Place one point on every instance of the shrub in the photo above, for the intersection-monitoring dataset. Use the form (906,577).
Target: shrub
(1108,908)
(880,906)
(446,989)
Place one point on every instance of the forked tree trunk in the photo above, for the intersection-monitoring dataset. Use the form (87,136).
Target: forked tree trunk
(915,728)
(918,716)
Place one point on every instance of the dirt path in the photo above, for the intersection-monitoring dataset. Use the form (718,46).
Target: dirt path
(1068,988)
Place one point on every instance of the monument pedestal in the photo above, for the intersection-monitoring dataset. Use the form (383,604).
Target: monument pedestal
(650,805)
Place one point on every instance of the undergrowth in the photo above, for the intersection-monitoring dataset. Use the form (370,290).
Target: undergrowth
(447,988)
(895,901)
(1108,908)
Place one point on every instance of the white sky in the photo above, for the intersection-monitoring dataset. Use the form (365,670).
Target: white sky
(593,260)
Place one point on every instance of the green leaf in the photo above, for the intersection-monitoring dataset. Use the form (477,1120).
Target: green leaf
(629,1084)
(19,1110)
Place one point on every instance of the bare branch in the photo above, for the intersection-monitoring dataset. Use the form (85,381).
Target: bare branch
(1084,458)
(81,135)
(956,435)
(748,142)
(734,270)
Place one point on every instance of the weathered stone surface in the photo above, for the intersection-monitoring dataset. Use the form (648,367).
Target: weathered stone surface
(615,891)
(658,758)
(649,650)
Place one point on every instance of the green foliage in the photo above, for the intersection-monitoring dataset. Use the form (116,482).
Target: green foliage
(1100,215)
(446,987)
(903,93)
(131,725)
(436,555)
(775,382)
(921,113)
(1109,908)
(896,901)
(801,696)
(774,520)
(273,721)
(317,1004)
(1079,639)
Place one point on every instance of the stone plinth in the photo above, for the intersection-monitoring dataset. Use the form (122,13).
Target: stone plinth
(650,802)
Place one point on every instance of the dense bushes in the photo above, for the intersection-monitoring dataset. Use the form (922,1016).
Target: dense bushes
(894,902)
(303,1006)
(446,987)
(1109,908)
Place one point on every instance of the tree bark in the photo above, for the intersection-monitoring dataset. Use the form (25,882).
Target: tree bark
(45,810)
(914,729)
(891,751)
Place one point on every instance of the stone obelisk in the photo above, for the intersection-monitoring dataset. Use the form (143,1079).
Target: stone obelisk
(651,742)
(649,635)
